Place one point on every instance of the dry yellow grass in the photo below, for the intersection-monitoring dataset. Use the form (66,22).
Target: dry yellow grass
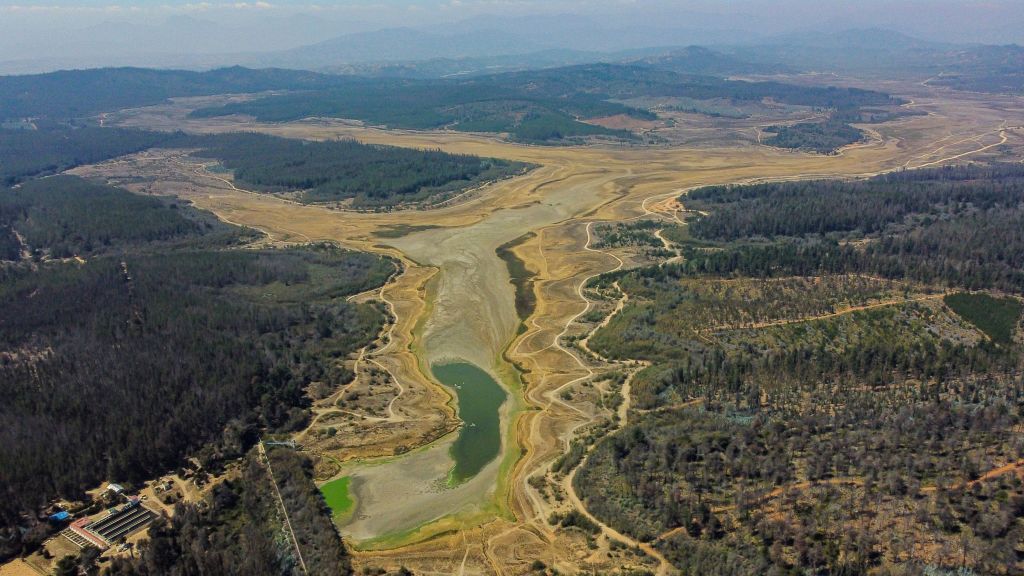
(18,567)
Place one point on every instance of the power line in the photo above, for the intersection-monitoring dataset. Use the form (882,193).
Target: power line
(284,510)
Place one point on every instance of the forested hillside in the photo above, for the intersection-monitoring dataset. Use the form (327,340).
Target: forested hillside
(537,106)
(532,106)
(491,104)
(836,130)
(371,176)
(82,93)
(995,69)
(65,216)
(824,392)
(958,226)
(117,366)
(706,62)
(27,153)
(368,176)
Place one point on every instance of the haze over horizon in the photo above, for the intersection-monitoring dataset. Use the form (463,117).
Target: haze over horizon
(37,36)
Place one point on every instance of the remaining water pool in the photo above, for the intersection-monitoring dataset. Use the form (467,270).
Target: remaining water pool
(480,398)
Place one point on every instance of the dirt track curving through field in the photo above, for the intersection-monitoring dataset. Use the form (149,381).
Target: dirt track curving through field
(455,301)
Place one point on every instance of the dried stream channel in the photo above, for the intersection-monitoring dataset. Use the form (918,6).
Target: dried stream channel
(472,318)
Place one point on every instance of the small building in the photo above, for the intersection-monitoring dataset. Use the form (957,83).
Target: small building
(58,517)
(81,537)
(119,523)
(115,488)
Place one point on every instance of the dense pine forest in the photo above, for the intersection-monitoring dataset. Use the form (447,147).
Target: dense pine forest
(51,149)
(822,137)
(66,216)
(369,176)
(825,392)
(955,226)
(372,176)
(158,342)
(69,94)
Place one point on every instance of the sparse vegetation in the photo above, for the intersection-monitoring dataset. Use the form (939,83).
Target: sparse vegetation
(639,233)
(808,408)
(242,531)
(834,131)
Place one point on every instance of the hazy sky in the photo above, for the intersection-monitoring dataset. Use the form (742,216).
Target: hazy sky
(47,29)
(797,12)
(776,14)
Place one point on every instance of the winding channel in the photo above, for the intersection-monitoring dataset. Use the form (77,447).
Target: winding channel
(472,319)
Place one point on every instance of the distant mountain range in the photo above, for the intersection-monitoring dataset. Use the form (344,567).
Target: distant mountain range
(303,41)
(403,44)
(178,41)
(700,60)
(875,52)
(689,60)
(997,69)
(856,50)
(478,47)
(327,40)
(399,52)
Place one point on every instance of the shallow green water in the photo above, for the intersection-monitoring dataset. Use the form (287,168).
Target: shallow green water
(480,397)
(337,496)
